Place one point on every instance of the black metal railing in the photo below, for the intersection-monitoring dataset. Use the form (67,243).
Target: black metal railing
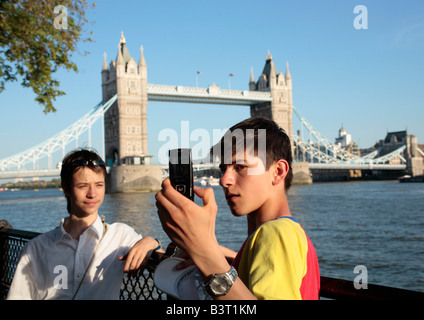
(12,242)
(142,287)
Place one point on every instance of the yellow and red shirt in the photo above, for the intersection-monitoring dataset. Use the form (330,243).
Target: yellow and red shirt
(278,261)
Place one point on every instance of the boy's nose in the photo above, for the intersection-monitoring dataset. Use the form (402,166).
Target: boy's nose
(227,178)
(91,192)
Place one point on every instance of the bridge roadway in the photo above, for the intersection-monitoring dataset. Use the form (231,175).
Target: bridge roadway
(356,166)
(29,174)
(196,167)
(56,172)
(211,95)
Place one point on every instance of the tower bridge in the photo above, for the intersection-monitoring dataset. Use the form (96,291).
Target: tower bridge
(123,112)
(212,95)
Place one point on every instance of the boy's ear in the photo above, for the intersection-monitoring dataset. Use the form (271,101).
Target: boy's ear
(281,168)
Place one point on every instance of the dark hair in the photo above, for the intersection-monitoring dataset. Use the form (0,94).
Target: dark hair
(72,163)
(255,131)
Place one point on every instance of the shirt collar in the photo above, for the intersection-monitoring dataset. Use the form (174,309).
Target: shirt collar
(96,229)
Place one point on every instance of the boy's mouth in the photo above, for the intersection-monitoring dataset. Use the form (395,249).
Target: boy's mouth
(231,196)
(90,203)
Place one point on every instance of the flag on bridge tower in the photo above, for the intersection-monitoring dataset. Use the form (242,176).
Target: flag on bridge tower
(229,82)
(197,78)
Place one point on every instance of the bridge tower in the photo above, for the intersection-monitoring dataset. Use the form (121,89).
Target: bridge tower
(280,109)
(125,124)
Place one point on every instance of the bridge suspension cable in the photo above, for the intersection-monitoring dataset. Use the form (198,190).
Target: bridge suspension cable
(336,155)
(58,141)
(322,141)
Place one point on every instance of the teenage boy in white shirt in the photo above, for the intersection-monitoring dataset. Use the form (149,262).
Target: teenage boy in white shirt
(84,257)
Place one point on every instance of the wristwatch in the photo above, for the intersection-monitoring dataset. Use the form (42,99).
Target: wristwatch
(220,284)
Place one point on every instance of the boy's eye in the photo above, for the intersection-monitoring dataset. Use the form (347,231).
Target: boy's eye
(235,167)
(239,167)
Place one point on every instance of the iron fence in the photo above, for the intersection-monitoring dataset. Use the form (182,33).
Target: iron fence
(12,242)
(142,287)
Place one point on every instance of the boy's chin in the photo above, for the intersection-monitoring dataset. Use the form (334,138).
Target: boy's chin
(237,213)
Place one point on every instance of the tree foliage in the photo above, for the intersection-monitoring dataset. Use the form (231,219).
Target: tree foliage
(34,43)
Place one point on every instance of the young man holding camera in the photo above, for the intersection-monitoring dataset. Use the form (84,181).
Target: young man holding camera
(277,260)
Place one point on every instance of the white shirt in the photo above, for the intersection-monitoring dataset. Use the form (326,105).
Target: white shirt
(52,265)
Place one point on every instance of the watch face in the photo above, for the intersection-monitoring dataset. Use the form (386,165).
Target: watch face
(220,285)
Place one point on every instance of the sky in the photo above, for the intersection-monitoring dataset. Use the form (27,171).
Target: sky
(368,80)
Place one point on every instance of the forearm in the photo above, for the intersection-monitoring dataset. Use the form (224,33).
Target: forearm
(215,262)
(154,244)
(228,253)
(238,292)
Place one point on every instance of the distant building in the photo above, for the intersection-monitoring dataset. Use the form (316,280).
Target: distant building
(413,153)
(395,139)
(344,140)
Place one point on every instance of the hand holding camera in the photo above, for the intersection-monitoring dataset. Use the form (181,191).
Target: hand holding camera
(181,171)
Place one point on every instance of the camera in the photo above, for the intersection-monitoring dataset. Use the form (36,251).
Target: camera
(181,171)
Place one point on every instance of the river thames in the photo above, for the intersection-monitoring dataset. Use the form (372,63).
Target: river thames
(376,224)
